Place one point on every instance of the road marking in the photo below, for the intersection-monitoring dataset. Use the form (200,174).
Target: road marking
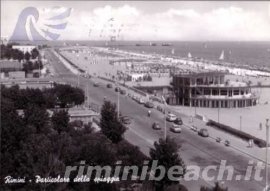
(148,140)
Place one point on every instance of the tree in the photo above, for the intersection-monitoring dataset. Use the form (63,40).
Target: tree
(215,188)
(34,53)
(27,56)
(110,124)
(37,117)
(60,120)
(166,153)
(20,56)
(68,95)
(149,78)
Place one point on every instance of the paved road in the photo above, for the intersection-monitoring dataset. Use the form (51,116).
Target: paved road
(195,150)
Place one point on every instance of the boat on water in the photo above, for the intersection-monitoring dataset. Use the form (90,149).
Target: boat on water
(166,44)
(138,44)
(152,44)
(189,55)
(222,56)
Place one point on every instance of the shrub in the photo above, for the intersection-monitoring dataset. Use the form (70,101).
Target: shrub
(237,133)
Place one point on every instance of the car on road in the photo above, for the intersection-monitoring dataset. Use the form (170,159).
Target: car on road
(160,108)
(96,84)
(149,104)
(178,121)
(109,85)
(156,126)
(129,95)
(171,117)
(203,133)
(125,120)
(123,92)
(194,128)
(117,89)
(141,101)
(176,128)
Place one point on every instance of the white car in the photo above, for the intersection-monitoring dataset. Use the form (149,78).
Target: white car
(141,101)
(176,128)
(171,117)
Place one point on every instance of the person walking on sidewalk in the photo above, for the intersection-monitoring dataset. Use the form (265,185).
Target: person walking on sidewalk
(149,113)
(260,126)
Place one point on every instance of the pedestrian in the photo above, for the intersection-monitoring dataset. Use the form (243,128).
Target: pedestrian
(260,126)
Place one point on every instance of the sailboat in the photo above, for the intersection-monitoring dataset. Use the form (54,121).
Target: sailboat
(222,56)
(173,51)
(189,55)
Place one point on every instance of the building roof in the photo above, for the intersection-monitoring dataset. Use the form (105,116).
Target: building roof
(200,74)
(10,64)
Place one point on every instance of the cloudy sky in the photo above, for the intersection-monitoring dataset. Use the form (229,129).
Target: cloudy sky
(149,20)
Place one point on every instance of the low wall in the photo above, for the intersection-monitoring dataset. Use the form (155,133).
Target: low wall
(201,117)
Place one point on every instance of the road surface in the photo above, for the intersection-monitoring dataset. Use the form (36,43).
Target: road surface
(195,150)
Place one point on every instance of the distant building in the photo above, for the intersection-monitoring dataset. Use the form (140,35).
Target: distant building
(16,75)
(84,115)
(24,48)
(210,90)
(40,84)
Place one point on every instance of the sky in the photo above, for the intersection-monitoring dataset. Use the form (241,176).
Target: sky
(148,20)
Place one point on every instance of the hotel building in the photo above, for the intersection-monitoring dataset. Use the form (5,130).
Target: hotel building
(210,90)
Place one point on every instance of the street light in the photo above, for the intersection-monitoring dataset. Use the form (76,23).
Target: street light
(117,98)
(165,124)
(266,161)
(240,123)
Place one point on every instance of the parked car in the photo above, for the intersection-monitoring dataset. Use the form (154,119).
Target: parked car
(156,126)
(141,101)
(117,89)
(171,117)
(178,121)
(125,120)
(194,128)
(203,133)
(129,95)
(159,108)
(123,92)
(176,128)
(109,85)
(149,104)
(96,84)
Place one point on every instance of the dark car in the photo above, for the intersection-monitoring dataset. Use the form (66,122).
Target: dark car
(203,133)
(96,84)
(160,108)
(109,85)
(123,92)
(117,89)
(149,104)
(125,120)
(156,126)
(178,121)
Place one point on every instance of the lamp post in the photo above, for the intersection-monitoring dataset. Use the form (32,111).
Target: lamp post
(218,113)
(118,99)
(165,123)
(266,152)
(240,123)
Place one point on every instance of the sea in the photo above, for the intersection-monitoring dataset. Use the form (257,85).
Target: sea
(256,54)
